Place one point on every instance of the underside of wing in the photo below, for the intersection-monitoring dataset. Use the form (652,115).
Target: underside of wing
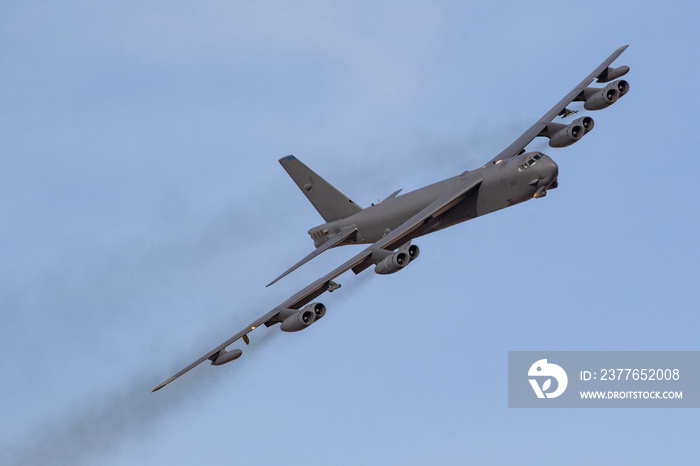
(561,135)
(298,312)
(211,355)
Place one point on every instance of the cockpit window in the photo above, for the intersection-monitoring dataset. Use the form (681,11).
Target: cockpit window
(530,161)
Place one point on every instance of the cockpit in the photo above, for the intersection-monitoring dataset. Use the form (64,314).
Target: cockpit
(530,161)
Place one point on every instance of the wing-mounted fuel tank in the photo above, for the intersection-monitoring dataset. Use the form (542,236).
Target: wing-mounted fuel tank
(223,356)
(610,74)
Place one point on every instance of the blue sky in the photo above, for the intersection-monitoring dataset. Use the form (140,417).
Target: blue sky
(143,211)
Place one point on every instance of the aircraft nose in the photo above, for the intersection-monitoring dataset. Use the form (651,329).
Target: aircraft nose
(550,171)
(547,176)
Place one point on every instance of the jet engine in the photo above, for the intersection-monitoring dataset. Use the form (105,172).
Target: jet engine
(561,135)
(294,320)
(411,249)
(587,123)
(564,135)
(318,308)
(392,263)
(622,86)
(598,99)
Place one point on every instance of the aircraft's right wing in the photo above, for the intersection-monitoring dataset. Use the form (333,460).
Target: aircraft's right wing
(359,262)
(602,73)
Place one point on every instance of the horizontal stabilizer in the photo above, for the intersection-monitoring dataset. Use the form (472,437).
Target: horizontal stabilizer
(334,241)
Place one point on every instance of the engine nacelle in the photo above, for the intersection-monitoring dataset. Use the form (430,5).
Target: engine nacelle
(622,87)
(601,98)
(318,308)
(567,135)
(392,263)
(223,356)
(293,320)
(586,121)
(411,249)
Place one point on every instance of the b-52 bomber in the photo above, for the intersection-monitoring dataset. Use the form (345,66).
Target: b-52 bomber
(389,227)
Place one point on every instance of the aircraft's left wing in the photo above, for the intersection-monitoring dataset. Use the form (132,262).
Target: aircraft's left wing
(359,262)
(544,126)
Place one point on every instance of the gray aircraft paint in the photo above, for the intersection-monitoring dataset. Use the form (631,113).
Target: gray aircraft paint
(502,185)
(511,177)
(330,203)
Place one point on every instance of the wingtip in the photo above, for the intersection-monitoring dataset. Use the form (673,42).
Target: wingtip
(282,276)
(273,281)
(162,385)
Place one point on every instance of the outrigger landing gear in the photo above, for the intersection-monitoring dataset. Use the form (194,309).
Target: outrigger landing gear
(331,286)
(566,112)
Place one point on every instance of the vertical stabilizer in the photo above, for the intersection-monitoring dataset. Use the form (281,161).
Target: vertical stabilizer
(328,201)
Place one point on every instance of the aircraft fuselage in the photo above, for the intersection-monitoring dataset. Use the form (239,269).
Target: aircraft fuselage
(504,183)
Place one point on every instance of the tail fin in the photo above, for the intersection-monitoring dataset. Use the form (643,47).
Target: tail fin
(328,201)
